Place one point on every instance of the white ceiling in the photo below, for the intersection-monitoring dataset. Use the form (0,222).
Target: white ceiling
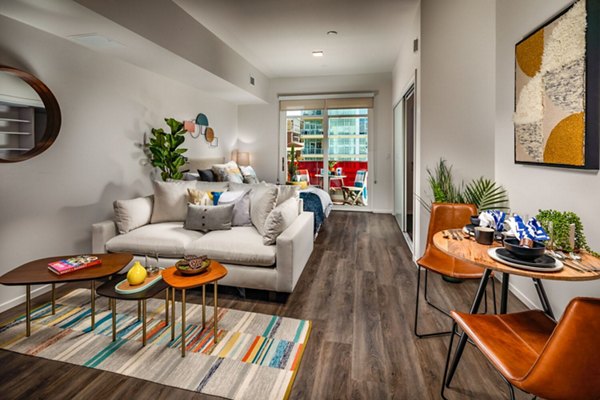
(278,36)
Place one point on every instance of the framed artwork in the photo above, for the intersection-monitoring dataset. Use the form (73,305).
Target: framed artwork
(557,90)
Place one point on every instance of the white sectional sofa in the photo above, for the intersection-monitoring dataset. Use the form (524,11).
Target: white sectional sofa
(251,263)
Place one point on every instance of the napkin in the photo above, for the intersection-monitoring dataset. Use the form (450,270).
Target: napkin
(493,219)
(532,229)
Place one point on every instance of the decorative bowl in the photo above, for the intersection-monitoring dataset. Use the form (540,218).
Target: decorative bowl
(525,253)
(189,267)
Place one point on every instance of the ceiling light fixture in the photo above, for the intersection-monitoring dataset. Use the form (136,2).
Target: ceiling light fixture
(332,33)
(318,53)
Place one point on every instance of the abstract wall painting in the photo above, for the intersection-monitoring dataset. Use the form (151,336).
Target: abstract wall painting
(557,90)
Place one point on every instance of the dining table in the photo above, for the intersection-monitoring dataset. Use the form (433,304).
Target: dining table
(464,247)
(332,178)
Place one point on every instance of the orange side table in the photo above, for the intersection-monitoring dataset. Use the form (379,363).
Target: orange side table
(176,280)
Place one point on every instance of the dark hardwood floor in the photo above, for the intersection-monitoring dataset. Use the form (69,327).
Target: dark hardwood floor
(358,290)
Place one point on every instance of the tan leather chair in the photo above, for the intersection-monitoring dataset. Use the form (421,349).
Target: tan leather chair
(446,216)
(538,356)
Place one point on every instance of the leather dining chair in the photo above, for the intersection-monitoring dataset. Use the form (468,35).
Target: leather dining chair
(538,356)
(446,216)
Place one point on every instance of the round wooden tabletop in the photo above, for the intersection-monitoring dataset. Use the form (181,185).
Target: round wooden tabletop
(471,251)
(177,280)
(36,272)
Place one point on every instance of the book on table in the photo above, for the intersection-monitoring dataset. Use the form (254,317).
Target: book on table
(73,264)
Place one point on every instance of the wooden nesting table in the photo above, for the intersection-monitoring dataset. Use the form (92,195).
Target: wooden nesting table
(176,280)
(37,273)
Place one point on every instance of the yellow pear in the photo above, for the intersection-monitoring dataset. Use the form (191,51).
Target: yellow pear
(137,274)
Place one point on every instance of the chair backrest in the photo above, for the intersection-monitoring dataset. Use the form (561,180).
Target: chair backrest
(448,216)
(360,180)
(302,175)
(569,365)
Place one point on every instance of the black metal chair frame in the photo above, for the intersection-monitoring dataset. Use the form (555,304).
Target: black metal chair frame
(445,312)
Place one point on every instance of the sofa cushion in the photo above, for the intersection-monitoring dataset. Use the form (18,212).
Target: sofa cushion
(167,239)
(240,245)
(241,209)
(131,214)
(287,192)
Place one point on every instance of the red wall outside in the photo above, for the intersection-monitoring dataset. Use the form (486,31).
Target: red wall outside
(349,169)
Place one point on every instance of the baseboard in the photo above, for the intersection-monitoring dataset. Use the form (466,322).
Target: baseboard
(21,299)
(382,211)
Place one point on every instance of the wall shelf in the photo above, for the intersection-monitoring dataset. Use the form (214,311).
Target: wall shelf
(13,120)
(13,149)
(16,133)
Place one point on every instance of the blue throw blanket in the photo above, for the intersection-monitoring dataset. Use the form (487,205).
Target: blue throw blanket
(312,203)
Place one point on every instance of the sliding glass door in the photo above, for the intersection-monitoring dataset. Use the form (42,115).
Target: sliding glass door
(329,149)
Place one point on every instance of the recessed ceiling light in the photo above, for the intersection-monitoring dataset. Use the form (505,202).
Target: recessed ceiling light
(332,33)
(318,53)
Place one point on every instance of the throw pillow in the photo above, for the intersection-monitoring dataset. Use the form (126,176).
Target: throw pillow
(241,208)
(287,192)
(228,172)
(249,174)
(262,202)
(215,197)
(131,214)
(207,175)
(279,220)
(204,219)
(199,197)
(170,200)
(190,176)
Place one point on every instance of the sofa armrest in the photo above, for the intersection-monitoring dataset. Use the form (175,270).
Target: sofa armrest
(294,247)
(102,232)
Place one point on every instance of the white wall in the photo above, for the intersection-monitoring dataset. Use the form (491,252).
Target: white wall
(49,202)
(258,127)
(534,187)
(456,95)
(408,60)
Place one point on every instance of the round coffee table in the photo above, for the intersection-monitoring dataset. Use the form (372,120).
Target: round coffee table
(176,280)
(107,289)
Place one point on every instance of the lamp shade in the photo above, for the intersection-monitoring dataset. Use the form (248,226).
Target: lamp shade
(202,119)
(243,158)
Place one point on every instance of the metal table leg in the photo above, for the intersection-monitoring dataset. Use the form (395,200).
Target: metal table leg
(216,315)
(172,314)
(182,322)
(53,299)
(113,306)
(463,338)
(93,301)
(203,306)
(144,322)
(543,297)
(504,295)
(28,311)
(167,307)
(139,310)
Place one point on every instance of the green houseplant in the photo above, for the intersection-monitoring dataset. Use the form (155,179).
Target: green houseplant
(292,164)
(561,220)
(165,153)
(483,192)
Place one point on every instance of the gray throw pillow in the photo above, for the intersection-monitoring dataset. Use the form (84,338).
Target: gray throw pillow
(131,214)
(209,218)
(241,208)
(170,200)
(262,202)
(279,220)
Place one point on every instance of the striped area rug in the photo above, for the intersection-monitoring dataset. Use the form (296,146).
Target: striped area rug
(257,355)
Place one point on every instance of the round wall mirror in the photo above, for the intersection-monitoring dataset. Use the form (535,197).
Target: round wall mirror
(29,115)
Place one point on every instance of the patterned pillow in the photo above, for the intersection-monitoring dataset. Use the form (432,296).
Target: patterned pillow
(249,174)
(229,172)
(199,197)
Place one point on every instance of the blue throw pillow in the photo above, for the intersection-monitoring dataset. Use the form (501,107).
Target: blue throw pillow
(216,196)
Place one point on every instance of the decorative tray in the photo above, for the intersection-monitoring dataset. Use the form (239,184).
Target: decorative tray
(124,287)
(541,264)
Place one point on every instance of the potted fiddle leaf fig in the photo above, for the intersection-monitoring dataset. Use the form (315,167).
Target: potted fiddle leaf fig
(165,153)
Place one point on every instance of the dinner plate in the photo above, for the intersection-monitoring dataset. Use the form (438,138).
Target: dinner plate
(558,265)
